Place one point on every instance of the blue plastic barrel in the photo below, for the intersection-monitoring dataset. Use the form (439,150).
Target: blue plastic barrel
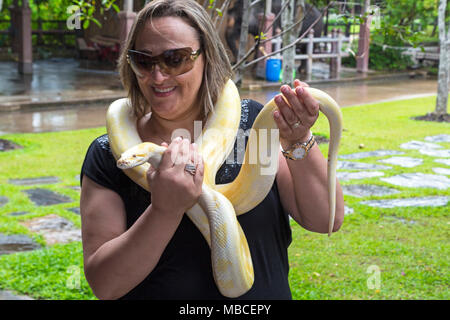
(273,69)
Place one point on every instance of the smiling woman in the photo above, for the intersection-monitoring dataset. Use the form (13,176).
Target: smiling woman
(188,28)
(141,245)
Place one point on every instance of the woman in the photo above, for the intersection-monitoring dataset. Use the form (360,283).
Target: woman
(142,246)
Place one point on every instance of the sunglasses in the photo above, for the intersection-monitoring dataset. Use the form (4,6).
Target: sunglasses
(172,62)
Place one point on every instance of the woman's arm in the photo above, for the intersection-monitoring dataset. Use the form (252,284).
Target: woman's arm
(303,183)
(115,259)
(304,192)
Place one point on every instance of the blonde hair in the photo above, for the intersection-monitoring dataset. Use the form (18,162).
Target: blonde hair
(217,68)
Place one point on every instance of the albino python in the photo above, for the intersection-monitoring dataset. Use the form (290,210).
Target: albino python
(215,213)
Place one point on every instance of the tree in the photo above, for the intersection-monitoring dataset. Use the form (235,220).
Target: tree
(289,37)
(289,43)
(444,61)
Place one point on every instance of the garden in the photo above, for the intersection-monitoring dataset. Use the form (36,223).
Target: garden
(387,252)
(394,168)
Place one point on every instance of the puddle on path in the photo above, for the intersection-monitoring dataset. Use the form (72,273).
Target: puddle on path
(346,94)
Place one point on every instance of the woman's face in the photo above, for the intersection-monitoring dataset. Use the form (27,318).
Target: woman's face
(170,97)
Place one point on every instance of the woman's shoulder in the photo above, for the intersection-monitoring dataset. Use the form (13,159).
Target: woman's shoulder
(101,143)
(99,159)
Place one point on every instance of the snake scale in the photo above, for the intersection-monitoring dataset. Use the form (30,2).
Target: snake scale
(215,213)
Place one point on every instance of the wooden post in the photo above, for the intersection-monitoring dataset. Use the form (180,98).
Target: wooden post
(126,20)
(339,53)
(333,61)
(14,10)
(362,59)
(25,40)
(309,52)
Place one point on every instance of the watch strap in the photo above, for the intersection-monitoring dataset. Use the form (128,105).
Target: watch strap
(305,145)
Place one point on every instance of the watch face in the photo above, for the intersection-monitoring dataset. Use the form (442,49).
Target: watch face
(298,153)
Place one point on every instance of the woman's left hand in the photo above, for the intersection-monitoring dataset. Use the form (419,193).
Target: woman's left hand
(295,119)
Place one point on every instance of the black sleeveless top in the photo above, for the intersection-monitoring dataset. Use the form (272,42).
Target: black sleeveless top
(184,270)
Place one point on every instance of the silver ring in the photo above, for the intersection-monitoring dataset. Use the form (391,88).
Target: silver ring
(297,124)
(190,168)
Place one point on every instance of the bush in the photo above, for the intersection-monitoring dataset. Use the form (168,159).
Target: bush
(381,59)
(387,59)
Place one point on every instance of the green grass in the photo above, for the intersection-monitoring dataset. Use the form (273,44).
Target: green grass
(412,258)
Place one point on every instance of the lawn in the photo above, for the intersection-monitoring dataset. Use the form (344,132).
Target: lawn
(399,253)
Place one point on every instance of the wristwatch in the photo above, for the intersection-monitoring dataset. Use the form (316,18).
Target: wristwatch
(299,150)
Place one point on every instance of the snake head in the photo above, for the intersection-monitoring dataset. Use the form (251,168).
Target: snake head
(133,157)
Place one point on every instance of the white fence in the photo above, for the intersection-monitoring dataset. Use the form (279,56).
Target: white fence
(330,47)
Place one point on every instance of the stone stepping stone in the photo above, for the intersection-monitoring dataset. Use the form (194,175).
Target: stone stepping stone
(410,202)
(406,162)
(443,161)
(54,228)
(18,213)
(368,154)
(367,190)
(75,210)
(419,180)
(6,145)
(8,295)
(34,181)
(436,153)
(444,171)
(418,145)
(349,165)
(345,176)
(3,201)
(16,243)
(401,220)
(438,138)
(44,197)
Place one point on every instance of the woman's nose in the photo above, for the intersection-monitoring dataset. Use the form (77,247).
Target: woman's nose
(158,75)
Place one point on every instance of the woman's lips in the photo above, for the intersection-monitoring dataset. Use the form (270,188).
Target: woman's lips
(163,91)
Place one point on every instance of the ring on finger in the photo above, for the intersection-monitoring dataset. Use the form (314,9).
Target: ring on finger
(296,125)
(190,168)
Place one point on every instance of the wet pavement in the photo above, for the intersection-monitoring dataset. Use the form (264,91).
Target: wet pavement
(66,94)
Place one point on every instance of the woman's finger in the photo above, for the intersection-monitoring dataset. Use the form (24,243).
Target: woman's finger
(311,104)
(298,108)
(283,126)
(183,155)
(285,110)
(169,157)
(298,83)
(199,171)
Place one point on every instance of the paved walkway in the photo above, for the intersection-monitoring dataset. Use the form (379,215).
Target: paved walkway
(68,82)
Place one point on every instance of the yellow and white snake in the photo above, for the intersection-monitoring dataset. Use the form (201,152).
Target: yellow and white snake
(215,213)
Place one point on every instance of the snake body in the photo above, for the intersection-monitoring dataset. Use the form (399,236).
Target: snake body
(215,213)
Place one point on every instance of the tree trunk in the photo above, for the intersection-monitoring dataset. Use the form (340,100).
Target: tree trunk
(444,61)
(288,55)
(243,42)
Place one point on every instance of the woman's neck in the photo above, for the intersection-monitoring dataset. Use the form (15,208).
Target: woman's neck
(184,126)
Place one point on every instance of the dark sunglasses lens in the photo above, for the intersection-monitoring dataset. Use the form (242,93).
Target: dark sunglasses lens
(174,58)
(178,61)
(173,62)
(140,60)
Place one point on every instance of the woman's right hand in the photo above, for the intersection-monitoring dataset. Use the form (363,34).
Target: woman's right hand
(174,190)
